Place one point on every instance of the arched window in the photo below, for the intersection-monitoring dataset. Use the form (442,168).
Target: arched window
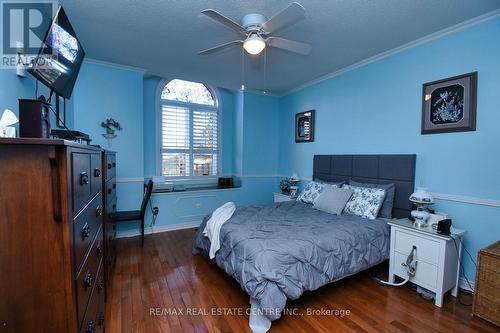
(189,130)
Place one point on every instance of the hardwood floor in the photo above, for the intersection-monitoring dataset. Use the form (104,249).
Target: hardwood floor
(164,288)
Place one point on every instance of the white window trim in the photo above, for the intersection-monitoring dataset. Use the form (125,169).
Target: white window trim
(158,133)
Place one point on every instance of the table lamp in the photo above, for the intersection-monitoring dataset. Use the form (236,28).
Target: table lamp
(421,198)
(8,119)
(293,181)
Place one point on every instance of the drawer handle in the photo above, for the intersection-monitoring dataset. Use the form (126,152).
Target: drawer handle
(88,280)
(109,191)
(90,327)
(97,172)
(85,231)
(84,178)
(100,286)
(109,165)
(114,186)
(98,211)
(114,206)
(114,164)
(100,321)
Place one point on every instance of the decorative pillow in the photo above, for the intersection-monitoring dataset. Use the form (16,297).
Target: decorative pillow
(390,189)
(311,192)
(333,200)
(336,184)
(365,202)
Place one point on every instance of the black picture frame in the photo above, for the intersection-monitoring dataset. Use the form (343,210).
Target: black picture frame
(450,105)
(304,126)
(60,111)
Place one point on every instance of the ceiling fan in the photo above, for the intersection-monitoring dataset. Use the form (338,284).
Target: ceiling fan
(257,30)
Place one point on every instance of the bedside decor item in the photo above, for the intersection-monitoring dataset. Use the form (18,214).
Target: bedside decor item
(293,185)
(421,198)
(60,111)
(8,119)
(285,186)
(487,294)
(449,105)
(304,126)
(111,126)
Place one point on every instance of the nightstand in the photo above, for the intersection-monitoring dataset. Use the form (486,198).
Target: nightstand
(438,257)
(280,197)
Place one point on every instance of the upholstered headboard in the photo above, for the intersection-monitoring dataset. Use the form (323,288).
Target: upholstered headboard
(379,169)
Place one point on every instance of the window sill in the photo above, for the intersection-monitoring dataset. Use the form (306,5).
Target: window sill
(195,189)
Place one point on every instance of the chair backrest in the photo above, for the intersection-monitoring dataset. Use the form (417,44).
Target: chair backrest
(147,195)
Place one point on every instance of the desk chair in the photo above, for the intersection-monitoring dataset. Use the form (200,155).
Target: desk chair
(135,215)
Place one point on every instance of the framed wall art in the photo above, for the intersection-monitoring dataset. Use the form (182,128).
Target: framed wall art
(304,126)
(449,105)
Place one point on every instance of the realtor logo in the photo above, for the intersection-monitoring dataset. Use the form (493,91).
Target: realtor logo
(23,28)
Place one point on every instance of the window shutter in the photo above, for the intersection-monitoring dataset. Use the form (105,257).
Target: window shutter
(175,141)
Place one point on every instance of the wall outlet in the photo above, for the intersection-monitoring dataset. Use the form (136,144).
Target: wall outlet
(156,210)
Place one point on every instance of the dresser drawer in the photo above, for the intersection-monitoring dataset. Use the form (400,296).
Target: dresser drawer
(93,319)
(81,180)
(86,226)
(426,274)
(88,277)
(427,249)
(110,166)
(96,173)
(110,191)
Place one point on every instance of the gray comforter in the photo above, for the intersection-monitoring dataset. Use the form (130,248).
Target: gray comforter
(279,251)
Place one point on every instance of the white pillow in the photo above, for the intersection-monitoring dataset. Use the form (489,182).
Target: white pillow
(311,192)
(364,202)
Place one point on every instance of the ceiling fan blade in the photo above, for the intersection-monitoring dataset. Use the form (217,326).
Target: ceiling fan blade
(288,16)
(216,16)
(220,47)
(289,45)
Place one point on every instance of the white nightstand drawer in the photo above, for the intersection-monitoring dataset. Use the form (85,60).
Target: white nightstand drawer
(425,276)
(427,249)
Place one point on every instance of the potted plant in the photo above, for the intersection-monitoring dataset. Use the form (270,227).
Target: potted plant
(111,125)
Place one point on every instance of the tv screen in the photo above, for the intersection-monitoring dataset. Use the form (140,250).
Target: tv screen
(60,58)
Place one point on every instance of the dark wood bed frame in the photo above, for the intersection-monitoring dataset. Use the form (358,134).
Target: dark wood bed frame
(378,169)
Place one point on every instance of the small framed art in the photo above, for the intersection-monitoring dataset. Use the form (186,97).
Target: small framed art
(449,105)
(304,126)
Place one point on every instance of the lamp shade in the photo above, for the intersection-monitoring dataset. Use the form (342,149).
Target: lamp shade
(254,44)
(8,118)
(422,196)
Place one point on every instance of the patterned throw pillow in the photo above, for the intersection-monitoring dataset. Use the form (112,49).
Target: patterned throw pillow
(364,202)
(311,192)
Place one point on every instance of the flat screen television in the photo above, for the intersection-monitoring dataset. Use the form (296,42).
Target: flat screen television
(60,57)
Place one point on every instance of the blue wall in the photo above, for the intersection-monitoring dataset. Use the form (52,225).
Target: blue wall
(104,91)
(377,109)
(13,87)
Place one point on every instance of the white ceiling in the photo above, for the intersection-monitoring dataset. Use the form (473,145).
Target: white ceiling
(164,37)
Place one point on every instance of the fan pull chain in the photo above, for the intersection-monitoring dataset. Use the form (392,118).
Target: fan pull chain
(242,69)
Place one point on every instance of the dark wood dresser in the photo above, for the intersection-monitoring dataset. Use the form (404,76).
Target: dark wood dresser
(51,237)
(109,186)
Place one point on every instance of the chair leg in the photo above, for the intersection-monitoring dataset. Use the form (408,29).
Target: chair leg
(142,231)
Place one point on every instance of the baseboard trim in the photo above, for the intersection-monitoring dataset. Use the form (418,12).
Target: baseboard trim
(462,284)
(159,229)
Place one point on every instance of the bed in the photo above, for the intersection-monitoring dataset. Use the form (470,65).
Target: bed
(278,251)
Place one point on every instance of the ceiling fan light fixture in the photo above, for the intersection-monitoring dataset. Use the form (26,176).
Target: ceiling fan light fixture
(254,44)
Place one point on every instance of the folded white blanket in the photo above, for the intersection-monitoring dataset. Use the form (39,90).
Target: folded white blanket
(212,229)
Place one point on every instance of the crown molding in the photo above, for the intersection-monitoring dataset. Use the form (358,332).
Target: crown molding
(115,66)
(436,35)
